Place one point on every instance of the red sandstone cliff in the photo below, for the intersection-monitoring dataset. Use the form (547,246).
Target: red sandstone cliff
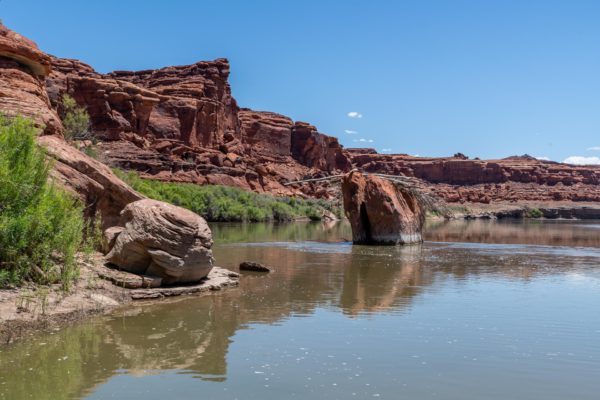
(182,124)
(456,179)
(23,68)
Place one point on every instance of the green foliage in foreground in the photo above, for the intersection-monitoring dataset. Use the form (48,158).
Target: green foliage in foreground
(41,226)
(224,203)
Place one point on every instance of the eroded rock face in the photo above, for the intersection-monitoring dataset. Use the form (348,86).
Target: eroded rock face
(162,240)
(380,212)
(317,150)
(459,180)
(195,105)
(116,107)
(94,183)
(266,133)
(182,124)
(23,68)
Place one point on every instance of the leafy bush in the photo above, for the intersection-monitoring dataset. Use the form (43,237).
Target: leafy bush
(75,119)
(534,213)
(40,225)
(224,203)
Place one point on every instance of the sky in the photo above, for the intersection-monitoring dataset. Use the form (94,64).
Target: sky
(489,78)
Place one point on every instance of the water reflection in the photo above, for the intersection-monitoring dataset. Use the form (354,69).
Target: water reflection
(542,232)
(193,335)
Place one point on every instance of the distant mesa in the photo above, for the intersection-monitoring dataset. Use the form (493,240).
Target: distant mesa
(524,157)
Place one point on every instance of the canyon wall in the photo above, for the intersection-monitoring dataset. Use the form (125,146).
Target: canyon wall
(23,70)
(458,179)
(182,124)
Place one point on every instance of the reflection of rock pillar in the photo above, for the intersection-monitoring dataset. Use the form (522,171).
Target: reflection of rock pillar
(380,212)
(372,285)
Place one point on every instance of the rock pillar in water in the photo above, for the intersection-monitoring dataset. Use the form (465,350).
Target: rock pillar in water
(380,212)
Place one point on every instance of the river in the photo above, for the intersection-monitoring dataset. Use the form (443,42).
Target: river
(481,310)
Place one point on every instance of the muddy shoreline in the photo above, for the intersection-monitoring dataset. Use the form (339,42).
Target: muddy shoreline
(30,309)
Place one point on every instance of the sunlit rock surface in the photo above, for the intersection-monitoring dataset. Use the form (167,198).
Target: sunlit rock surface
(380,212)
(162,240)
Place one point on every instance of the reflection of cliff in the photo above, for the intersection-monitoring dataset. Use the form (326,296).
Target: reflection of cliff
(193,334)
(550,233)
(286,232)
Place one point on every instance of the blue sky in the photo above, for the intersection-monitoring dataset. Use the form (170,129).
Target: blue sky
(486,78)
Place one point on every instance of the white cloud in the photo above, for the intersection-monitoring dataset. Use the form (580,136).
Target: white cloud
(593,148)
(580,160)
(386,150)
(543,158)
(354,114)
(363,140)
(350,132)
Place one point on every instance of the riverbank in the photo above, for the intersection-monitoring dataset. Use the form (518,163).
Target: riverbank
(100,289)
(218,203)
(520,210)
(32,308)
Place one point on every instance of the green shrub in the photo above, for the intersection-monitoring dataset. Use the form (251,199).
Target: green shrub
(40,225)
(75,119)
(283,211)
(224,203)
(534,213)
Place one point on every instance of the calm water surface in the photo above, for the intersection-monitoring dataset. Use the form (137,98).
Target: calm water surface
(481,310)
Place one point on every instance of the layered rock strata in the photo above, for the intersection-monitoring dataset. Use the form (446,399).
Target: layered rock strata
(23,68)
(182,124)
(459,180)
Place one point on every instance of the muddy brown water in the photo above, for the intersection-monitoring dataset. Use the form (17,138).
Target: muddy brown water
(481,310)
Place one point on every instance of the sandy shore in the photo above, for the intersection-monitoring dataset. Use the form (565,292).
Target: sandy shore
(100,289)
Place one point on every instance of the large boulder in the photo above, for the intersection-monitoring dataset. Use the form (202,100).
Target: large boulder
(381,212)
(162,240)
